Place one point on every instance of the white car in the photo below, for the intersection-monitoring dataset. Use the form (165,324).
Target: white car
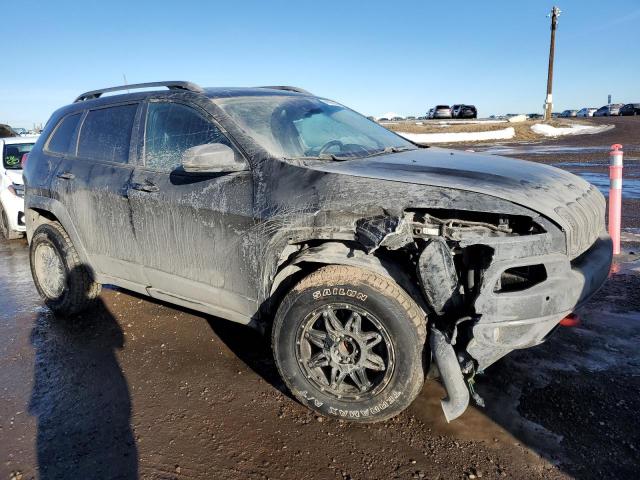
(586,112)
(13,150)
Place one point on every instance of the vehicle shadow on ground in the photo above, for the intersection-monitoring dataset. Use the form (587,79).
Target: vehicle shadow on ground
(252,347)
(81,398)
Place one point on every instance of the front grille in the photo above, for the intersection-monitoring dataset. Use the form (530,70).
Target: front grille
(585,220)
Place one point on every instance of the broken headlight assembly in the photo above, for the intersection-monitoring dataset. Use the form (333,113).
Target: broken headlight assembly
(457,250)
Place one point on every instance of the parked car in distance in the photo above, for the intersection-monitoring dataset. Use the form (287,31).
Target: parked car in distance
(602,111)
(441,111)
(569,113)
(383,119)
(630,109)
(13,151)
(397,119)
(193,196)
(534,116)
(464,111)
(410,118)
(430,113)
(586,112)
(612,110)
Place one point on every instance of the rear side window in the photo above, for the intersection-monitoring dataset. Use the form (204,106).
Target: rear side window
(172,128)
(60,141)
(106,133)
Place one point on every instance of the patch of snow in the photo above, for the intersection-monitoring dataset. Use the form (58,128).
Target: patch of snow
(517,118)
(504,134)
(549,131)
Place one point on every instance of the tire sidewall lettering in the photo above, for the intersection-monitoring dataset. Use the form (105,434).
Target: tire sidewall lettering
(339,291)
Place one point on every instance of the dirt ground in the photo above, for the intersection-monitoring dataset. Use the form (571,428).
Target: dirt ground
(141,389)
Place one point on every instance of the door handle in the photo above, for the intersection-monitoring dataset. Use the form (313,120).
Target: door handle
(66,176)
(145,187)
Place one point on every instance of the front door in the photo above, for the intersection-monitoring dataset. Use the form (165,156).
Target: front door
(192,229)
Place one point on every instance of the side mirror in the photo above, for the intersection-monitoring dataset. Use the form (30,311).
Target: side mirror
(212,158)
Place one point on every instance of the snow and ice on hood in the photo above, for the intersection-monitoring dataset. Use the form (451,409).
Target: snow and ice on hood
(549,131)
(427,138)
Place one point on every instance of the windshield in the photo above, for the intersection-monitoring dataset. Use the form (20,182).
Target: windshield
(302,127)
(13,153)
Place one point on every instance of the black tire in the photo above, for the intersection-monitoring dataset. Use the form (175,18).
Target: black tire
(7,233)
(384,310)
(62,281)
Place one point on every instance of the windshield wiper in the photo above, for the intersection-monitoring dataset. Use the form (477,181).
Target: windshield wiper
(339,158)
(333,156)
(322,156)
(386,150)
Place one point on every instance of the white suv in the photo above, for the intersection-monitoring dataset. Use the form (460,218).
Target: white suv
(13,150)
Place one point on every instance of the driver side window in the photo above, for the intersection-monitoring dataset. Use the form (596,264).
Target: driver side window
(172,128)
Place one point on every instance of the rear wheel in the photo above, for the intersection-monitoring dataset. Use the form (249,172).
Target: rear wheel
(62,281)
(7,233)
(349,344)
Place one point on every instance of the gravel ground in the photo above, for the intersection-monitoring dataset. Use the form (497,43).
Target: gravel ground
(140,389)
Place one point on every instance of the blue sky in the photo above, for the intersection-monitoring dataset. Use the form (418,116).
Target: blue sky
(401,56)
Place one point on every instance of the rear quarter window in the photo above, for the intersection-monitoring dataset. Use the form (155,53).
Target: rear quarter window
(106,133)
(60,140)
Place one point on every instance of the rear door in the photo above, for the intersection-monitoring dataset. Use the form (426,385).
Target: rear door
(92,184)
(192,229)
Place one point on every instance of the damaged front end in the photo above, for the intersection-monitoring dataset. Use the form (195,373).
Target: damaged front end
(492,283)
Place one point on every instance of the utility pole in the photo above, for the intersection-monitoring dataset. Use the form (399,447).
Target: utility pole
(548,104)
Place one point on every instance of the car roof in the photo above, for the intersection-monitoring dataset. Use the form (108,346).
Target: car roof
(228,92)
(25,139)
(88,100)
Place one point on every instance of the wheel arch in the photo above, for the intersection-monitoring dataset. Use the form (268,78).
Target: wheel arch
(311,258)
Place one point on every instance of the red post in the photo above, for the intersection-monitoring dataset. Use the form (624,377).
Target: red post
(615,195)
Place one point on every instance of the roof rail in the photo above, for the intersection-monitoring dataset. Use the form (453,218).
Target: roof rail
(287,88)
(178,85)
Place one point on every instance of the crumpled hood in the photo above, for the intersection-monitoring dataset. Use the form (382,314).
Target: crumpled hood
(539,187)
(15,176)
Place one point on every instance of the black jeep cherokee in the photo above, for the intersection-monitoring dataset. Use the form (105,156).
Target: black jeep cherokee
(273,207)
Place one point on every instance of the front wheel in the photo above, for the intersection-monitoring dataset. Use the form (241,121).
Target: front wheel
(349,344)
